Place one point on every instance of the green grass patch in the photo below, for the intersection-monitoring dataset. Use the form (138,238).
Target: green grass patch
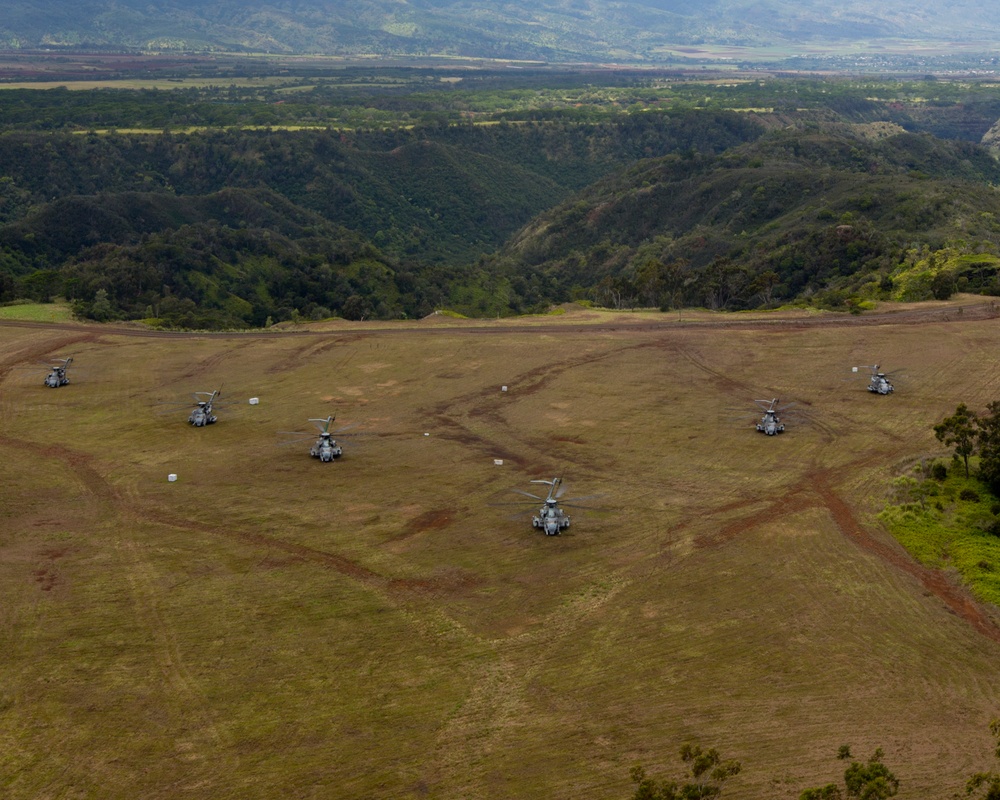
(37,312)
(950,524)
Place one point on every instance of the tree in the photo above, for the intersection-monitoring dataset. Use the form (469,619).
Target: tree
(943,285)
(960,430)
(101,309)
(706,774)
(988,439)
(987,784)
(869,780)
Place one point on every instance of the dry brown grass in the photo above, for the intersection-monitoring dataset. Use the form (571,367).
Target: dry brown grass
(271,626)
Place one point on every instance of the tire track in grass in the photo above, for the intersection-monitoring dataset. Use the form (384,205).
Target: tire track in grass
(182,688)
(40,351)
(957,598)
(474,405)
(791,500)
(203,740)
(80,464)
(497,704)
(817,483)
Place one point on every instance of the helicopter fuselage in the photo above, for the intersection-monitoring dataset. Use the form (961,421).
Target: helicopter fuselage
(56,378)
(326,449)
(879,384)
(770,424)
(202,416)
(551,519)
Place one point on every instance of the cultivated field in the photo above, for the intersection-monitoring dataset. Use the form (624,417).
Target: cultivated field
(269,626)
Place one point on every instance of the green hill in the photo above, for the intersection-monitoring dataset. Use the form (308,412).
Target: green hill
(81,212)
(794,213)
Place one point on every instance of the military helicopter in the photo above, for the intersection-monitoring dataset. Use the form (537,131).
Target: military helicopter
(325,448)
(879,382)
(771,423)
(57,372)
(203,412)
(550,517)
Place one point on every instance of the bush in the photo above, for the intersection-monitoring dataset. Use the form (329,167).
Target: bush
(969,495)
(939,471)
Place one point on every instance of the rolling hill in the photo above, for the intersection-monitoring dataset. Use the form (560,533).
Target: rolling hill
(840,204)
(256,224)
(547,30)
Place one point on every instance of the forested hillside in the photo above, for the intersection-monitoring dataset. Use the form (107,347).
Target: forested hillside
(827,211)
(251,225)
(395,193)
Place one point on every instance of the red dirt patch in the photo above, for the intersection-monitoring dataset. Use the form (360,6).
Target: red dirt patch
(46,578)
(428,521)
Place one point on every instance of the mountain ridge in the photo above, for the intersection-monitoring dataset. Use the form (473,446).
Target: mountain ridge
(554,30)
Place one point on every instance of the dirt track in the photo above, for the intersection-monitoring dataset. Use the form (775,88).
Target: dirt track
(965,312)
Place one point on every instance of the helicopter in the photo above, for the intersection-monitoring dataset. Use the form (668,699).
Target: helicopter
(202,414)
(325,448)
(550,517)
(57,372)
(879,382)
(771,423)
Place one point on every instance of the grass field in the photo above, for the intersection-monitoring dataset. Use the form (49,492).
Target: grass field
(37,312)
(270,626)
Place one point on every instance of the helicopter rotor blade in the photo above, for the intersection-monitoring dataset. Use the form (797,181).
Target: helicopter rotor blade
(573,500)
(584,508)
(529,494)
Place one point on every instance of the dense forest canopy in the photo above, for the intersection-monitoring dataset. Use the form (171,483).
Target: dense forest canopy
(395,193)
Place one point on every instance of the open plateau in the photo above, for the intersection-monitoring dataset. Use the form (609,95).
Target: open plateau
(269,626)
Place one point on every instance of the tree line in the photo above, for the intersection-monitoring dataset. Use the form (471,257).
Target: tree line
(707,772)
(975,434)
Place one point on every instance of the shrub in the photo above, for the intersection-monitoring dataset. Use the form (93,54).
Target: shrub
(969,495)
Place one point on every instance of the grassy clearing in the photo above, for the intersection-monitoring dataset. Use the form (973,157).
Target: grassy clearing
(37,312)
(951,524)
(272,626)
